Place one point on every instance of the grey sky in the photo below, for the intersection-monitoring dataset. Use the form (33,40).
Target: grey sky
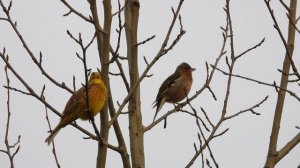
(244,145)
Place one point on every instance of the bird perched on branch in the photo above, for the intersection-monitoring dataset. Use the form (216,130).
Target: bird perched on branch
(76,106)
(175,88)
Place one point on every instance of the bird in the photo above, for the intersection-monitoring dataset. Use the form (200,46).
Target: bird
(76,107)
(175,88)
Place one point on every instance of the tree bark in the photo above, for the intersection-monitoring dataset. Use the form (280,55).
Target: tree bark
(103,41)
(136,132)
(273,158)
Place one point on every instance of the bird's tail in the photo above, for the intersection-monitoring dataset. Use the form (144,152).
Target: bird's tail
(158,105)
(53,134)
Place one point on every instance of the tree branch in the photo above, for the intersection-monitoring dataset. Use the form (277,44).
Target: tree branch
(30,53)
(272,158)
(251,109)
(8,151)
(288,147)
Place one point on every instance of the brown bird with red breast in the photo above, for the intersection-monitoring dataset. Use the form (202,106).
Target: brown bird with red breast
(175,88)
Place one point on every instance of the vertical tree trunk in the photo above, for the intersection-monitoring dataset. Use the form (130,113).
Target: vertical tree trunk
(103,41)
(136,132)
(273,158)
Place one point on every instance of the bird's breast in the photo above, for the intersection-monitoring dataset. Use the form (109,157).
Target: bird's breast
(180,89)
(97,99)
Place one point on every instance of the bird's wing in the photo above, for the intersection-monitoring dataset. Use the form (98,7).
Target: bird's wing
(168,83)
(76,101)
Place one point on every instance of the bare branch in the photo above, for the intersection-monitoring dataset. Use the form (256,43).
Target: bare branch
(145,41)
(248,109)
(115,53)
(86,74)
(259,82)
(176,109)
(212,93)
(202,156)
(293,24)
(273,156)
(34,94)
(297,19)
(119,11)
(227,34)
(250,49)
(208,163)
(202,134)
(9,6)
(8,151)
(118,132)
(32,56)
(145,59)
(160,53)
(198,118)
(211,124)
(17,90)
(72,10)
(289,146)
(176,40)
(67,14)
(53,144)
(74,83)
(207,82)
(289,48)
(230,30)
(221,133)
(285,6)
(180,22)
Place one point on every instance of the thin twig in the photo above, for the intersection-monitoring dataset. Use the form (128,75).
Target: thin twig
(86,73)
(119,11)
(32,56)
(212,93)
(274,155)
(294,25)
(196,116)
(293,94)
(228,33)
(285,6)
(17,90)
(252,48)
(72,10)
(202,155)
(50,129)
(221,133)
(276,26)
(35,95)
(176,40)
(160,53)
(145,41)
(207,82)
(115,53)
(207,118)
(8,151)
(118,132)
(202,134)
(248,109)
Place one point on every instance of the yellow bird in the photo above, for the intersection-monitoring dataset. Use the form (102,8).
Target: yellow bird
(76,107)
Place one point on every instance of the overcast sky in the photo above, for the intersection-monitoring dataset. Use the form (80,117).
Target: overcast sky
(245,144)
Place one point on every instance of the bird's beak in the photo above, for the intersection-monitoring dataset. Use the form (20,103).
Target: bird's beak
(193,69)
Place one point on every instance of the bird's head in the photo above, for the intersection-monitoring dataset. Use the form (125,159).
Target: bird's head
(185,67)
(95,75)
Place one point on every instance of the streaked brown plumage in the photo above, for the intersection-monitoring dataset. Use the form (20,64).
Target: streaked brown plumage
(76,106)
